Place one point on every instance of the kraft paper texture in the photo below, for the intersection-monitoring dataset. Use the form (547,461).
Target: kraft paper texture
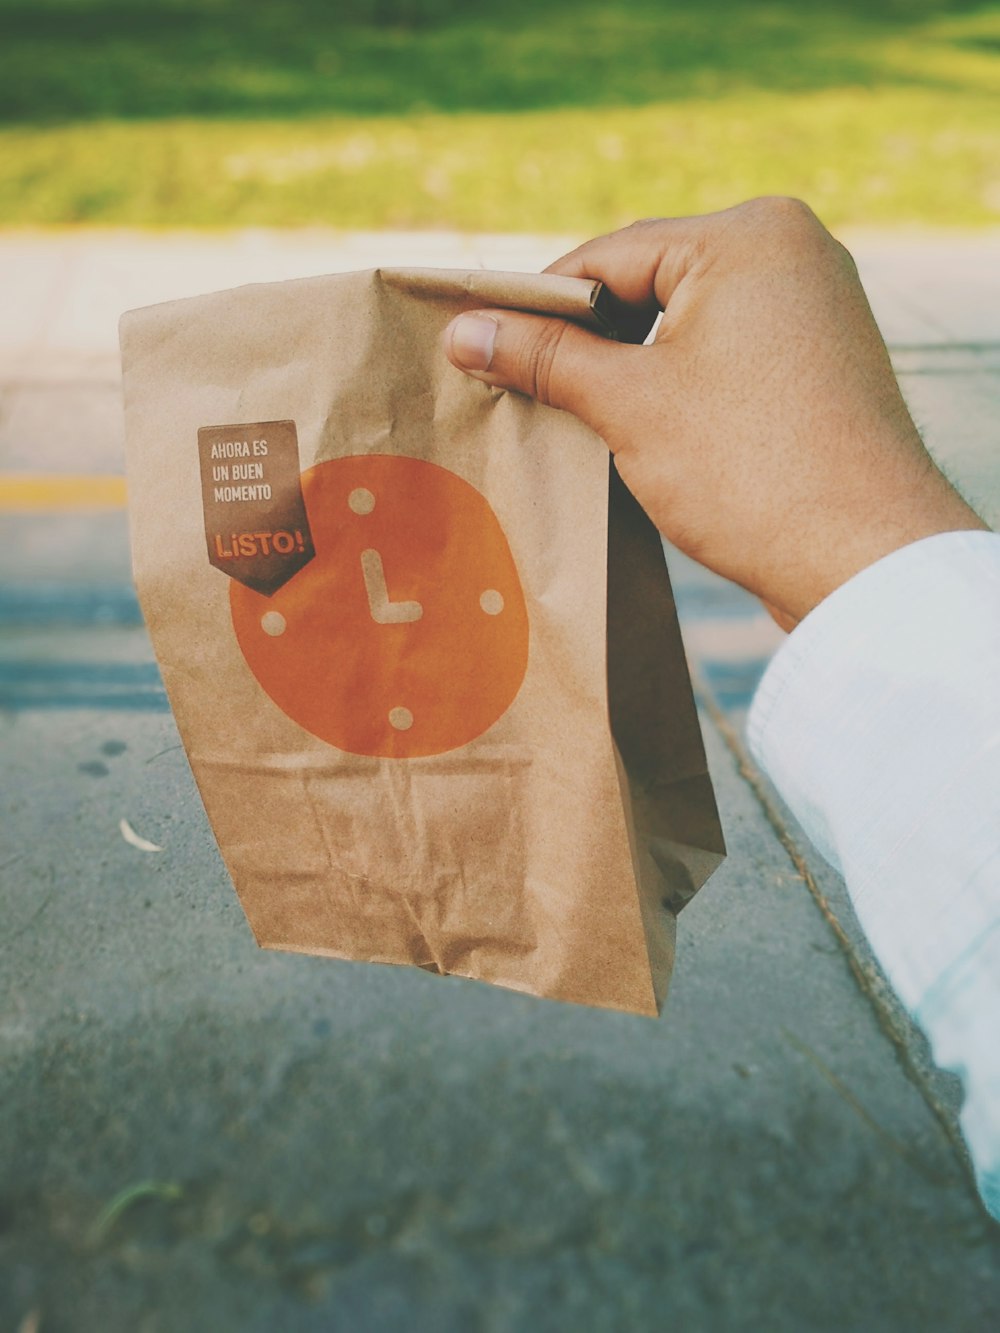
(428,673)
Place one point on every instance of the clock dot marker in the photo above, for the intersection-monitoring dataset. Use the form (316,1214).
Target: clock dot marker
(492,602)
(401,719)
(361,500)
(273,623)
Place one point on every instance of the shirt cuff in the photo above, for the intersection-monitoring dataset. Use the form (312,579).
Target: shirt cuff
(878,721)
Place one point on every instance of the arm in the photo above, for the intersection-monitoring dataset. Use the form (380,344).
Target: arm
(764,433)
(878,720)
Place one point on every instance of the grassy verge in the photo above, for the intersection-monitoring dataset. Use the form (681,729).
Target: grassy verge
(564,119)
(860,158)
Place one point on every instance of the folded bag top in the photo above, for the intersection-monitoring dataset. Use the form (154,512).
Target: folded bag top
(418,638)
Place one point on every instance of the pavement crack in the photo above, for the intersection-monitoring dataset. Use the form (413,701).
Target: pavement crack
(900,1149)
(23,929)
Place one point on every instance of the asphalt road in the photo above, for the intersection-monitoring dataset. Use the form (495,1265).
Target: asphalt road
(197,1135)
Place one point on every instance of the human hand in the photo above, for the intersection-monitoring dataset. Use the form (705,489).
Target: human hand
(763,430)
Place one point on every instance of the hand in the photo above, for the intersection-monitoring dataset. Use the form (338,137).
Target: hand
(763,430)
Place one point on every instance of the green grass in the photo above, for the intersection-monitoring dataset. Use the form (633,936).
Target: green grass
(544,116)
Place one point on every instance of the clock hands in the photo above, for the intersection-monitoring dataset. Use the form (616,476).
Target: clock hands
(385,612)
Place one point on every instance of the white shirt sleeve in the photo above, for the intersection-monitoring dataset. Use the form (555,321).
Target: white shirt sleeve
(878,721)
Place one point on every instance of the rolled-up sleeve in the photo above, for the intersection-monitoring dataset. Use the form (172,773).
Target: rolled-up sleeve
(878,721)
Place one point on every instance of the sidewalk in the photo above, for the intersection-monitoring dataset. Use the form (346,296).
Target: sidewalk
(316,1145)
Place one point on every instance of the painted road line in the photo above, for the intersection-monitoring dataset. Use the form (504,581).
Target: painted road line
(68,606)
(78,606)
(22,493)
(115,686)
(733,682)
(136,686)
(724,632)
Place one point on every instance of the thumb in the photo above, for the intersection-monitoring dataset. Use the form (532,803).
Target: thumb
(552,360)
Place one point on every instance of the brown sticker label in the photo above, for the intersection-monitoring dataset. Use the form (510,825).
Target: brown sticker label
(256,524)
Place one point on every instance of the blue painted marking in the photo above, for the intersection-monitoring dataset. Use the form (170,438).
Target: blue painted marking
(70,606)
(128,686)
(733,683)
(137,687)
(112,703)
(715,601)
(76,606)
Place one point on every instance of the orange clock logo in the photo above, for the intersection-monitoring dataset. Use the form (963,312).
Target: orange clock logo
(407,634)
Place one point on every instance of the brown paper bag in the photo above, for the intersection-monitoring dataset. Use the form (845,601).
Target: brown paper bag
(422,654)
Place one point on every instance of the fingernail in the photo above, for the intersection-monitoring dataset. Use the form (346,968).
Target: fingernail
(472,340)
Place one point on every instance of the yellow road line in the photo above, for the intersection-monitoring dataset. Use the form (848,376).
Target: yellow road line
(24,494)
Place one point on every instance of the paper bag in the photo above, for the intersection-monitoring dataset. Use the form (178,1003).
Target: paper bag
(418,638)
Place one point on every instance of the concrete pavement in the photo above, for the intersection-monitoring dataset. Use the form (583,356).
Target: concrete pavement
(197,1135)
